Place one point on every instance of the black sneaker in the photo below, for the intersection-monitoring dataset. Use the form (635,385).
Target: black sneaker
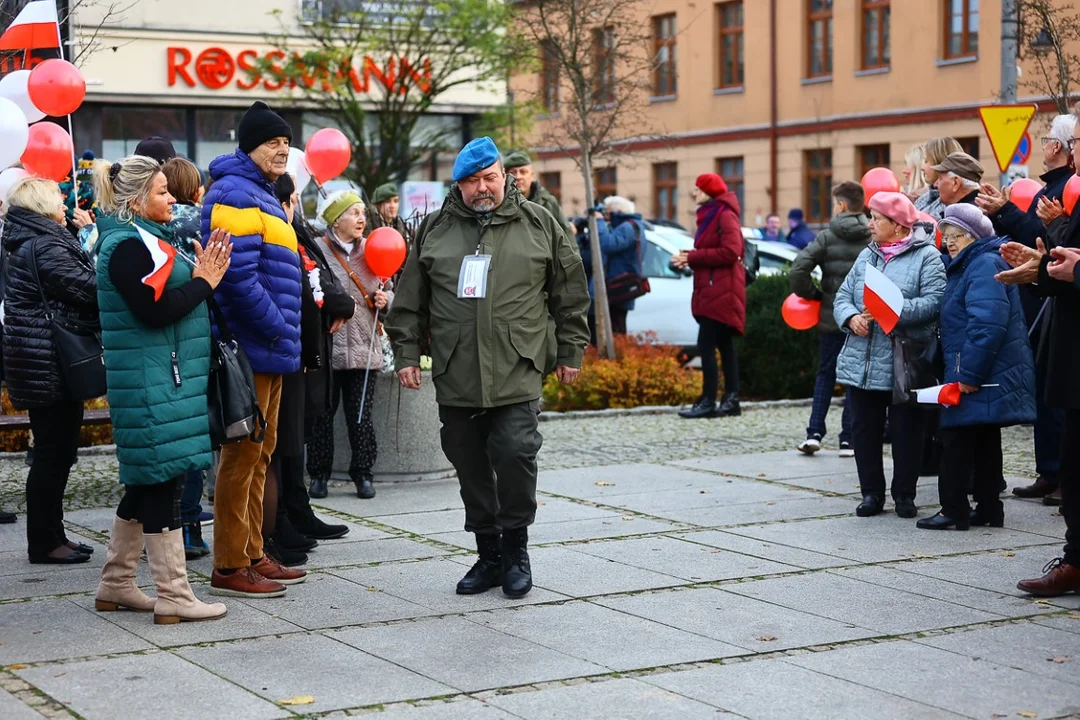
(316,529)
(703,408)
(288,558)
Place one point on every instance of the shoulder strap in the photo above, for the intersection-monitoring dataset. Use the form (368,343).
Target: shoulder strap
(219,318)
(37,279)
(356,281)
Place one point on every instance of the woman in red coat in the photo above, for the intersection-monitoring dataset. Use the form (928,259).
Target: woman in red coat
(719,300)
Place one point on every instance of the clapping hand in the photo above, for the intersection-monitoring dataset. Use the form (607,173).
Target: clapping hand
(1063,264)
(990,199)
(1024,260)
(212,262)
(1049,211)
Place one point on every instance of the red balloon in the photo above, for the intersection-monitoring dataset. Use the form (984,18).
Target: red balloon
(1072,192)
(384,251)
(879,179)
(800,314)
(328,153)
(1022,192)
(48,152)
(56,87)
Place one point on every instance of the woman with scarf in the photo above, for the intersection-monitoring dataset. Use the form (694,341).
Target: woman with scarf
(719,299)
(909,259)
(357,356)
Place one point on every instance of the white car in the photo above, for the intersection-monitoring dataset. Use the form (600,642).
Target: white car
(665,311)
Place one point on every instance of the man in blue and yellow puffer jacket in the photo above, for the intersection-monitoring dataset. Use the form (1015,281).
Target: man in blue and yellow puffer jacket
(260,300)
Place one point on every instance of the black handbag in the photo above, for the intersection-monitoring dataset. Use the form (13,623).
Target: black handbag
(628,286)
(78,346)
(917,364)
(232,403)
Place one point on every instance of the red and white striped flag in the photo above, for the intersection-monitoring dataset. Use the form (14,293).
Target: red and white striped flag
(164,255)
(36,27)
(947,395)
(882,298)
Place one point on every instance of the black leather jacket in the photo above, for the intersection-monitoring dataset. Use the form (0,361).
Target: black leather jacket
(68,280)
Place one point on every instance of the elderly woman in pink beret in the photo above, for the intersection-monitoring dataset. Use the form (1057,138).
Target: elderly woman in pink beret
(907,257)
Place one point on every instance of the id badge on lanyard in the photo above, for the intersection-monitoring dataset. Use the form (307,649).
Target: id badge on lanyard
(472,280)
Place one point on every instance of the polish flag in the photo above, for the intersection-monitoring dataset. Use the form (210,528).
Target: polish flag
(164,256)
(35,28)
(882,298)
(947,395)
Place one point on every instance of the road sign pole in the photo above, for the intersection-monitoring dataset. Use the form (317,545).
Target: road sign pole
(1009,18)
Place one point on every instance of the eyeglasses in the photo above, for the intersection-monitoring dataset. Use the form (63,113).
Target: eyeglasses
(952,237)
(1071,142)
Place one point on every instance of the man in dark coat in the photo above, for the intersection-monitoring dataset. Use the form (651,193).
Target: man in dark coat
(519,164)
(834,251)
(1026,228)
(800,235)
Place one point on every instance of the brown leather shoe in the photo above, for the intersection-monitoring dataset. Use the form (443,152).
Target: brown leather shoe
(1040,488)
(1053,499)
(271,569)
(1060,578)
(245,582)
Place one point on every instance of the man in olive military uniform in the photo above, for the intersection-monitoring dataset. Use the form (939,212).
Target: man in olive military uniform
(487,272)
(519,164)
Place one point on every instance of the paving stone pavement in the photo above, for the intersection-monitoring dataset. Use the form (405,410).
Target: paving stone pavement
(683,570)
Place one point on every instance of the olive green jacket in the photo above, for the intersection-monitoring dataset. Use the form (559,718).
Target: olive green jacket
(546,200)
(491,351)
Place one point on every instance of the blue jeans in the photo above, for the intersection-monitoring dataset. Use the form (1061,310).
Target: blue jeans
(830,345)
(191,498)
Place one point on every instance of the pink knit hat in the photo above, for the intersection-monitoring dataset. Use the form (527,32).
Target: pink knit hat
(896,207)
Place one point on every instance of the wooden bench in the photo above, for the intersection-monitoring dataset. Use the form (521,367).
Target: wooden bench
(22,422)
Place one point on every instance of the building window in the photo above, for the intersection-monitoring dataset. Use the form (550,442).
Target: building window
(731,169)
(604,66)
(961,28)
(819,38)
(664,78)
(729,17)
(552,182)
(122,128)
(665,190)
(875,36)
(817,182)
(872,156)
(549,78)
(970,145)
(605,183)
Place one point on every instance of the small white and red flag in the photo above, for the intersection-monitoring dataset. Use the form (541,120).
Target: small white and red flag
(947,395)
(36,27)
(164,256)
(882,298)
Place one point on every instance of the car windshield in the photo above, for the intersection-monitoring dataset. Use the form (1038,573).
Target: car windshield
(656,262)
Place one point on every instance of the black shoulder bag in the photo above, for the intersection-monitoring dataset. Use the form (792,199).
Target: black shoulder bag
(628,286)
(233,405)
(78,346)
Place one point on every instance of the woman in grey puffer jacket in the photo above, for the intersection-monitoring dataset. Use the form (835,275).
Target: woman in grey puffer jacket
(865,364)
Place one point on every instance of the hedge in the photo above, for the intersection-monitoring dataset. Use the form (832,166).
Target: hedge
(776,361)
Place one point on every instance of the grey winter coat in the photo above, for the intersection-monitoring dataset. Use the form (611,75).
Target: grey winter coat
(930,203)
(866,362)
(834,250)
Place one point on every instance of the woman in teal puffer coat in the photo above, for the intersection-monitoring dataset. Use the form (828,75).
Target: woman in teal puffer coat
(156,335)
(910,260)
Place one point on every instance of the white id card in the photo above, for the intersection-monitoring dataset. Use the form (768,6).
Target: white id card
(472,281)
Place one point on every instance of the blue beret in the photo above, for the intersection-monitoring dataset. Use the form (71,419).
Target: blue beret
(474,157)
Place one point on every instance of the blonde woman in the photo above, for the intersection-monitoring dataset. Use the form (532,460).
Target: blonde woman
(44,264)
(935,152)
(914,183)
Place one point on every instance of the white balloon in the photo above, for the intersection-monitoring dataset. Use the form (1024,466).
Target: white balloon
(13,87)
(14,132)
(297,167)
(8,178)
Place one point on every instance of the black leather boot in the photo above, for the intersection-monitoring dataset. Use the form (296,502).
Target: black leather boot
(517,574)
(487,572)
(729,406)
(1039,489)
(871,505)
(905,507)
(703,408)
(290,538)
(318,489)
(365,490)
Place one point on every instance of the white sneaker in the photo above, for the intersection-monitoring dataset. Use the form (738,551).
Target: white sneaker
(809,446)
(846,450)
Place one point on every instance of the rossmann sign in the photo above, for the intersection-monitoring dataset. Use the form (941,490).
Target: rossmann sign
(216,68)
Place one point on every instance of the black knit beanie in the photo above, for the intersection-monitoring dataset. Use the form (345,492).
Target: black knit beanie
(259,125)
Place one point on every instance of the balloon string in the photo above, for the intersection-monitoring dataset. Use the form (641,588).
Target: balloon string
(367,370)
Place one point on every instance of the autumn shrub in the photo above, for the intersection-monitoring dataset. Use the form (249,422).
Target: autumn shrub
(643,373)
(776,362)
(12,440)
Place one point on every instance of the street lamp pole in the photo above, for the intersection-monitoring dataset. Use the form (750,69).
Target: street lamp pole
(1009,52)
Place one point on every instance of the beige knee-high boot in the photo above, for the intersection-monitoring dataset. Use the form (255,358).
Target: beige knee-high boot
(175,600)
(117,589)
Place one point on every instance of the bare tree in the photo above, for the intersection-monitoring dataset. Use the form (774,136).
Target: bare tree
(598,72)
(90,17)
(1049,34)
(377,69)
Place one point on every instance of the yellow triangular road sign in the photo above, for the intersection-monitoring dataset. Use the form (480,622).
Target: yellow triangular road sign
(1005,126)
